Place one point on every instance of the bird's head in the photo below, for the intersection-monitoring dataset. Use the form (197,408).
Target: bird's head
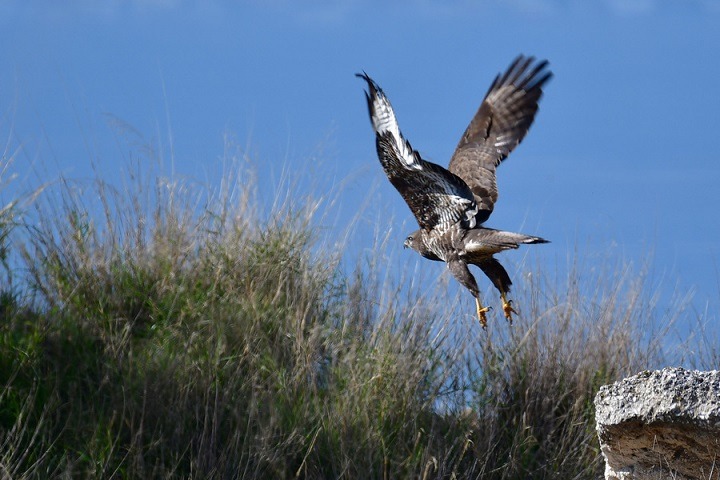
(415,241)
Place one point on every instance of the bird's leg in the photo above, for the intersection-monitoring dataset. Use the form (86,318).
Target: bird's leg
(481,311)
(508,310)
(458,267)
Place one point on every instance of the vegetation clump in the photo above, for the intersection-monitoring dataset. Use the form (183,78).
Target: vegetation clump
(165,331)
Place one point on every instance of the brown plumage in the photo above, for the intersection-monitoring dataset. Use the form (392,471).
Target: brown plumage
(451,204)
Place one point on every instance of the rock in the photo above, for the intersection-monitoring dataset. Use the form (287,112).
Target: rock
(661,425)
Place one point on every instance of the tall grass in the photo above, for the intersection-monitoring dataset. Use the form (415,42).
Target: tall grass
(164,330)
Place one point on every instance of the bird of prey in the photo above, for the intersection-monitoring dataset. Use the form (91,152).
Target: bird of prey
(450,205)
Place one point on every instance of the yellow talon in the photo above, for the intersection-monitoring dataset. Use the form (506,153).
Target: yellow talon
(481,311)
(508,310)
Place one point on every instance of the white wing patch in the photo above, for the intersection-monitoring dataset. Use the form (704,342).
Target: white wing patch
(448,206)
(383,121)
(450,200)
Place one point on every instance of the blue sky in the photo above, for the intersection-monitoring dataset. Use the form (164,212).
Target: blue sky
(622,161)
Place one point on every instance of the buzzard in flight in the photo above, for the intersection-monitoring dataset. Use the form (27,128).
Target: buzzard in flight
(450,205)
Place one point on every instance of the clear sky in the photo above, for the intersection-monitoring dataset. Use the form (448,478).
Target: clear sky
(622,160)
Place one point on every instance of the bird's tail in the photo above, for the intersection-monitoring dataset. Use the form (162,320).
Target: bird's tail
(530,240)
(490,240)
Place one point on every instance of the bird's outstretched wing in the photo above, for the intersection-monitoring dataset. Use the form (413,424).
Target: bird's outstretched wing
(499,125)
(436,197)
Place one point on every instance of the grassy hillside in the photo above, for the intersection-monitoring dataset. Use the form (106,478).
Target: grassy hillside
(164,331)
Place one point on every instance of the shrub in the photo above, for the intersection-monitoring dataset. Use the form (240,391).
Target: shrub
(173,332)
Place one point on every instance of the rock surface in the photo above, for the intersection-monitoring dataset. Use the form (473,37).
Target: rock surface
(663,424)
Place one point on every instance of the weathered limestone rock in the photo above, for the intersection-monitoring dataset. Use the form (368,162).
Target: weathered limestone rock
(661,425)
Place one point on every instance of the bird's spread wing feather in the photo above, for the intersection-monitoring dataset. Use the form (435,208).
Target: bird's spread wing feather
(437,197)
(499,125)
